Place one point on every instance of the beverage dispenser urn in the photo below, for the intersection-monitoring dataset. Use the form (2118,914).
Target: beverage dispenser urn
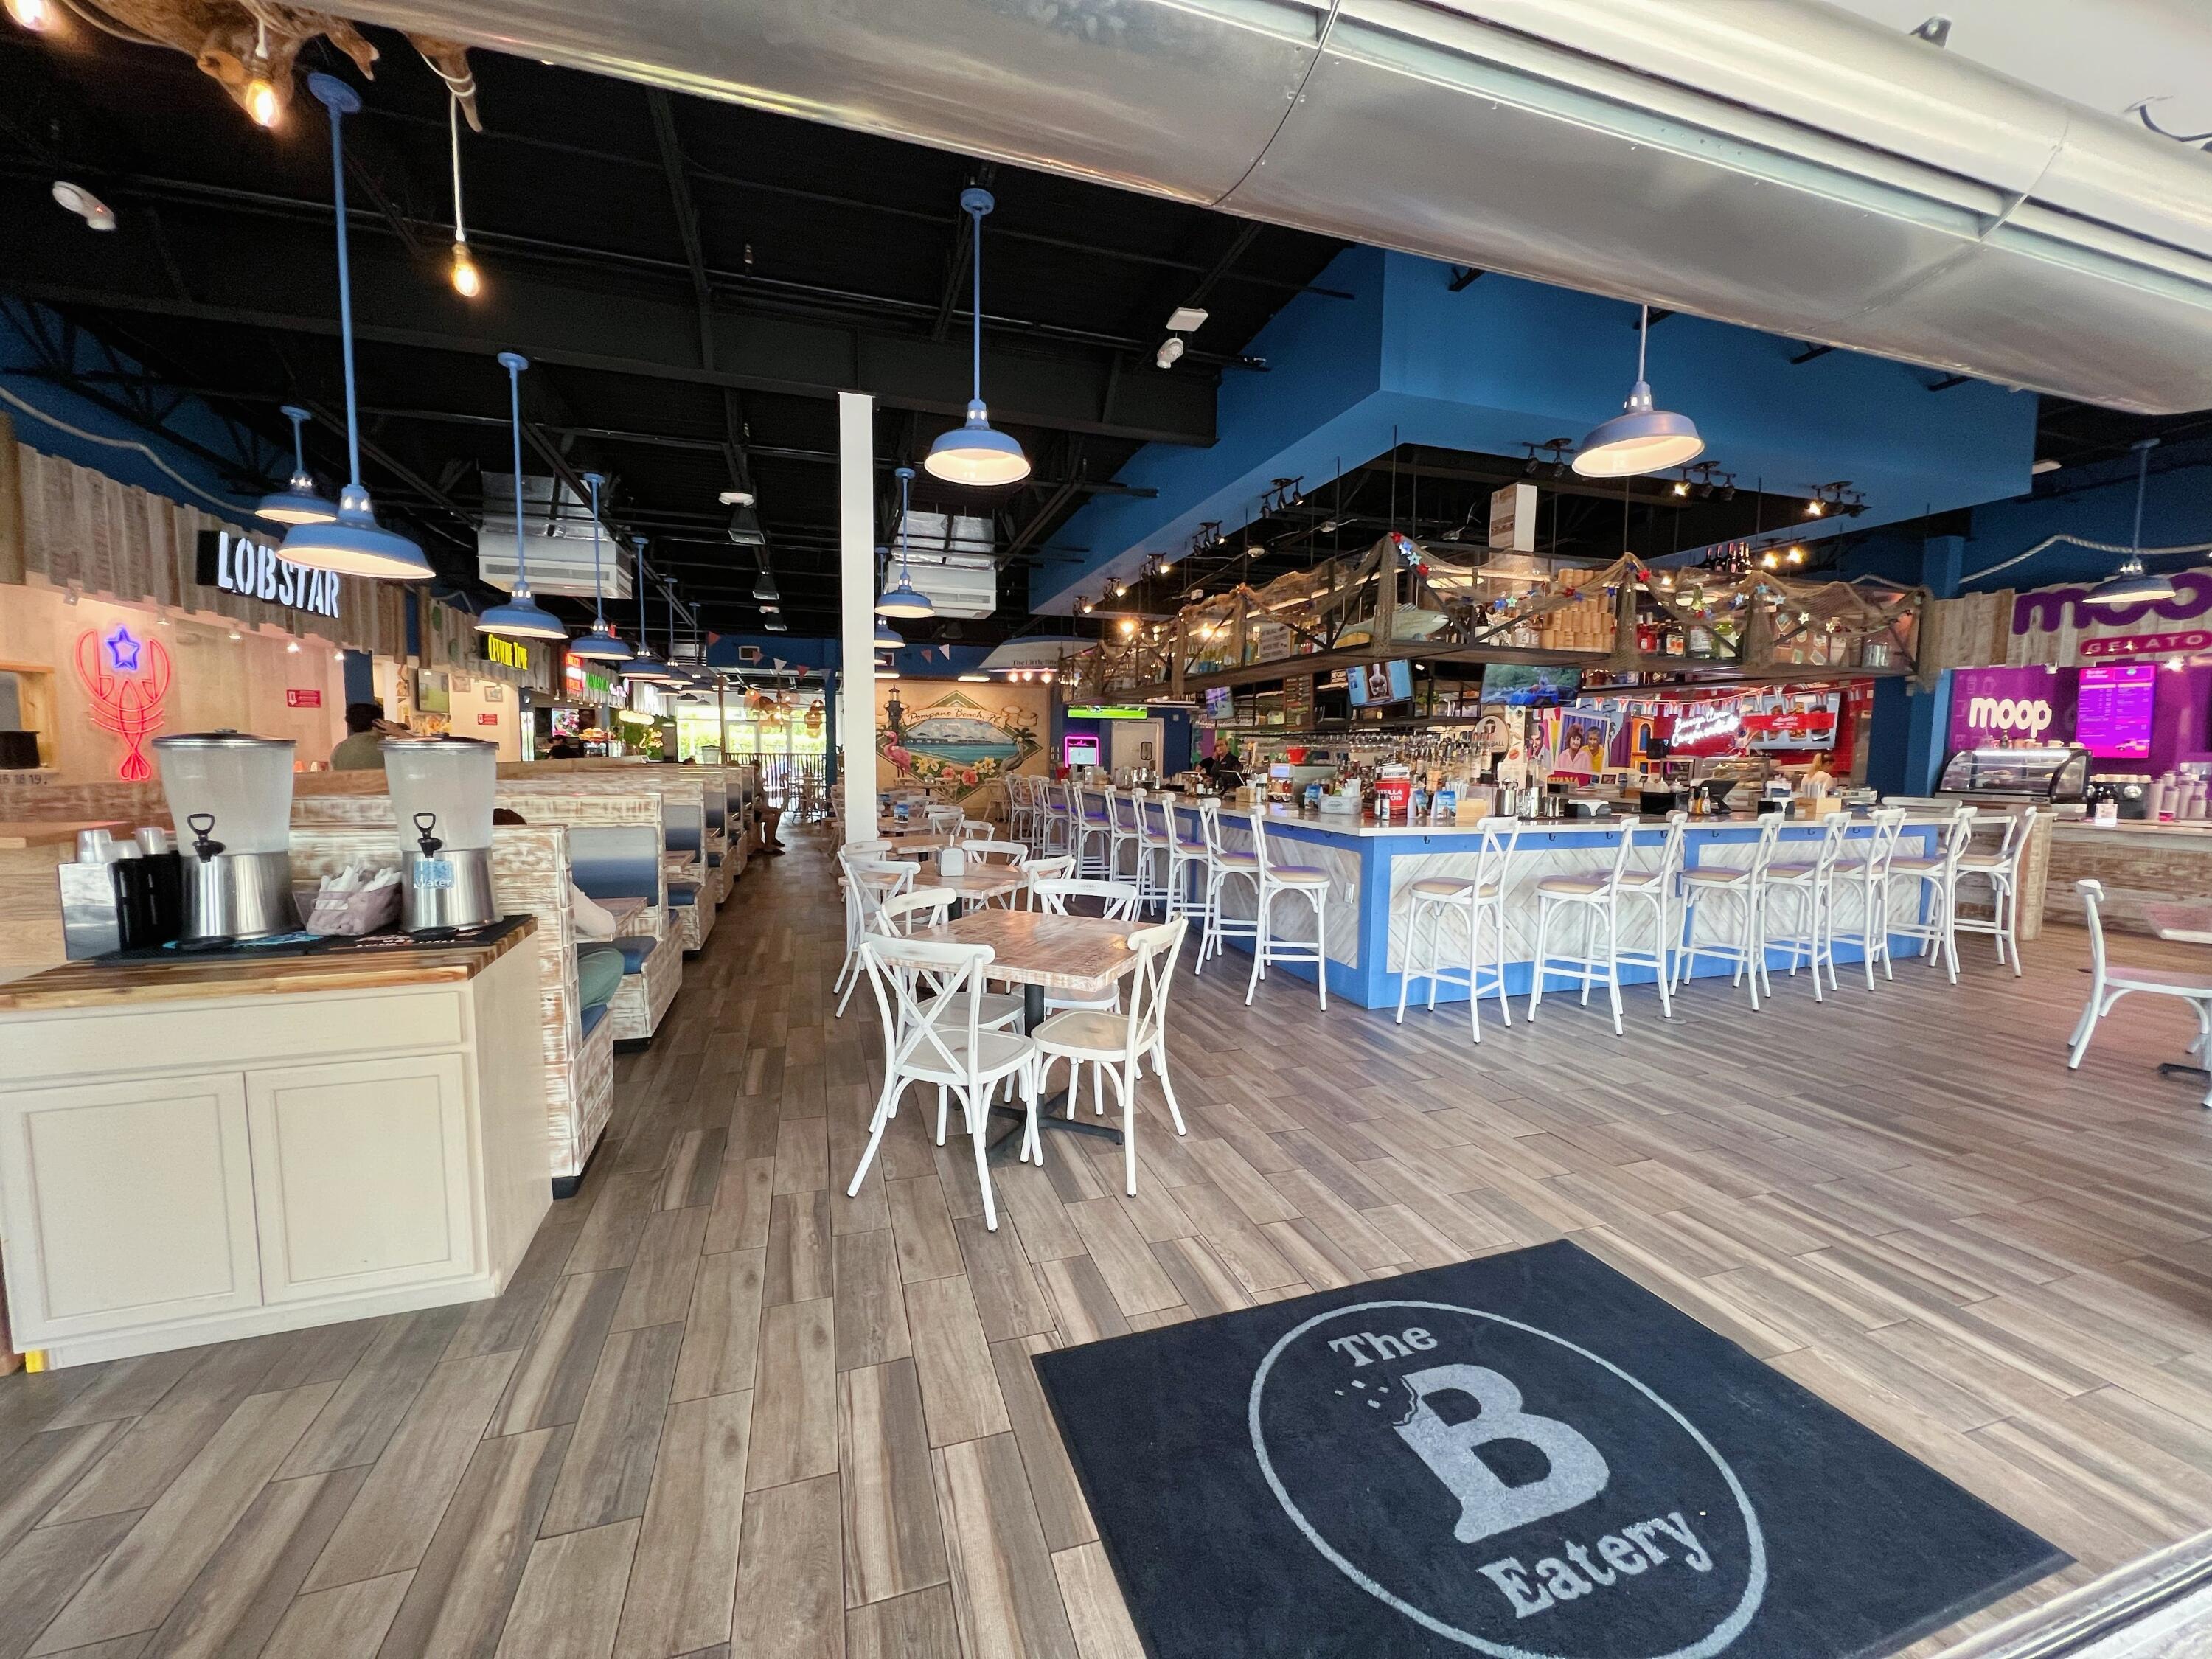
(442,791)
(230,797)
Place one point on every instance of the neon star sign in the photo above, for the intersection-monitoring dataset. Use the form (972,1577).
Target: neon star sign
(123,650)
(126,684)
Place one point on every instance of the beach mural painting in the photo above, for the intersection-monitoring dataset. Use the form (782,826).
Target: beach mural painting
(952,742)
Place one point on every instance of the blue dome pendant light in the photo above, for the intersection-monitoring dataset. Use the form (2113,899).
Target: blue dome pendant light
(600,645)
(297,503)
(902,599)
(645,665)
(974,454)
(2131,584)
(521,617)
(1640,438)
(351,541)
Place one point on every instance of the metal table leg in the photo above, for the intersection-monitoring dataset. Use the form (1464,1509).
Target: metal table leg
(1048,1109)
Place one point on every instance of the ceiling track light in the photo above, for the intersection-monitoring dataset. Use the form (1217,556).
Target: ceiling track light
(600,645)
(974,454)
(467,280)
(1642,438)
(299,501)
(351,544)
(521,617)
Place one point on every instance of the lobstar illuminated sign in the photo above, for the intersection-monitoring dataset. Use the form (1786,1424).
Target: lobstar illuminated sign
(252,570)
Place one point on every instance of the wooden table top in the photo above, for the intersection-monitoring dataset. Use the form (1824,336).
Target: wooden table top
(213,978)
(2190,924)
(986,881)
(50,832)
(1082,954)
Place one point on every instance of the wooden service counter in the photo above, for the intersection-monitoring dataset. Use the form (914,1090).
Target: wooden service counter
(223,1146)
(2138,863)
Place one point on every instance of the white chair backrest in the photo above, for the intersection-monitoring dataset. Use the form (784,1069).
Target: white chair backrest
(1118,898)
(1493,856)
(945,819)
(974,830)
(1087,802)
(1260,849)
(1624,849)
(1156,949)
(1833,832)
(2092,896)
(1888,829)
(1209,825)
(901,913)
(1762,852)
(862,849)
(1661,874)
(1059,867)
(1125,807)
(868,882)
(930,997)
(984,851)
(1959,835)
(1156,819)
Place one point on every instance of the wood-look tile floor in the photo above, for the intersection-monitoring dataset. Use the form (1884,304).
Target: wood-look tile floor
(725,1409)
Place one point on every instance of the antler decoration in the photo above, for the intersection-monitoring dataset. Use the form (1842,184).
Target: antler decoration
(239,42)
(129,698)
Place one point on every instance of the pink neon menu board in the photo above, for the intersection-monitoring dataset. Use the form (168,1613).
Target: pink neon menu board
(2112,718)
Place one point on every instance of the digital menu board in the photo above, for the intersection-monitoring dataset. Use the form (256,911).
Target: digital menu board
(2112,718)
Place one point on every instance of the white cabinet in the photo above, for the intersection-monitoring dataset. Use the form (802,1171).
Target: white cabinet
(361,1175)
(127,1204)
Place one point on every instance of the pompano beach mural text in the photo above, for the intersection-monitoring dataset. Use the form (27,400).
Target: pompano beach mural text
(952,744)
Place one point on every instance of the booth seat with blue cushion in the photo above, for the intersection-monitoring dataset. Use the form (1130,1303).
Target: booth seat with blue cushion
(636,950)
(600,970)
(624,861)
(593,1014)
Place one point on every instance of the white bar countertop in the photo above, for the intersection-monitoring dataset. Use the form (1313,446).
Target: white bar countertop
(1363,828)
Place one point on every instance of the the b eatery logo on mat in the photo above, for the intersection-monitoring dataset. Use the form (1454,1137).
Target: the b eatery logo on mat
(1505,1487)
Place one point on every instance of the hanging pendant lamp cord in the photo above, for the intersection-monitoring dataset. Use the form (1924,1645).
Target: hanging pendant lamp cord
(599,603)
(514,405)
(2142,480)
(298,443)
(975,334)
(905,488)
(345,294)
(1642,335)
(453,121)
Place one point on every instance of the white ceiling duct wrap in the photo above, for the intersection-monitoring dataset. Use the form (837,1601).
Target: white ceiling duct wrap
(1783,164)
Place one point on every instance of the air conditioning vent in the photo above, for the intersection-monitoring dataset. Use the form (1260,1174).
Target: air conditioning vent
(556,528)
(954,561)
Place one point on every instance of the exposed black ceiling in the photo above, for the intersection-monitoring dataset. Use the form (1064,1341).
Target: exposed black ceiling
(693,281)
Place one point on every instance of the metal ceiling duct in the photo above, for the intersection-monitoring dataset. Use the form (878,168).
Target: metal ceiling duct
(1783,164)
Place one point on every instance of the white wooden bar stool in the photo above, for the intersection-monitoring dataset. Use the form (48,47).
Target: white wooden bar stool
(1659,886)
(1156,852)
(1275,880)
(1093,831)
(2000,867)
(1934,921)
(1055,819)
(1859,900)
(1596,897)
(1735,900)
(1186,854)
(1477,902)
(1124,815)
(1223,866)
(1807,889)
(1020,810)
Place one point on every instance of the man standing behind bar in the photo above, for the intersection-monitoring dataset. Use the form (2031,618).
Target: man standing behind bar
(363,748)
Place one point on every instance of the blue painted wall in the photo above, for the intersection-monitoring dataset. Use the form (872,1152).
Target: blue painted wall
(1505,363)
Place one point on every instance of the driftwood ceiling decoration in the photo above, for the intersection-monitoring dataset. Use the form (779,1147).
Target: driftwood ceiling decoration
(242,42)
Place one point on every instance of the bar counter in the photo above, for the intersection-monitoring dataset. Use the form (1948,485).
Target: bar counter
(1369,865)
(223,1146)
(2138,862)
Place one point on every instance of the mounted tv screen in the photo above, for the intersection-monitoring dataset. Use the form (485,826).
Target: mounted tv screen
(1528,687)
(1220,700)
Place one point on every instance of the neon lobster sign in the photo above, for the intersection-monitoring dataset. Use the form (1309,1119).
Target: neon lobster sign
(127,680)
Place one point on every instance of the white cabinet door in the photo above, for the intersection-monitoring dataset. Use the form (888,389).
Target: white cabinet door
(361,1175)
(126,1204)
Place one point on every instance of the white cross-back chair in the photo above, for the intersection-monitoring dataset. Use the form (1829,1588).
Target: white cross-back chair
(2109,981)
(1734,902)
(1936,924)
(1805,891)
(930,996)
(1479,902)
(1859,902)
(1116,1044)
(1594,895)
(868,882)
(2000,867)
(1036,871)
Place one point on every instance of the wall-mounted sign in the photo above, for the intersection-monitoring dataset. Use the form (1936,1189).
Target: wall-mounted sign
(507,653)
(487,719)
(296,698)
(492,693)
(1093,712)
(588,684)
(252,570)
(2010,705)
(2149,645)
(126,681)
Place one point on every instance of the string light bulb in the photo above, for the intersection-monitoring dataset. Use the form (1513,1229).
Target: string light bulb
(36,15)
(261,100)
(468,281)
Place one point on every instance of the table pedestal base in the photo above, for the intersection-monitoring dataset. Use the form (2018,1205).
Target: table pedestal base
(1048,1109)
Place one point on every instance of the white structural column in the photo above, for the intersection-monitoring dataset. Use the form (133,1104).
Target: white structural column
(856,568)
